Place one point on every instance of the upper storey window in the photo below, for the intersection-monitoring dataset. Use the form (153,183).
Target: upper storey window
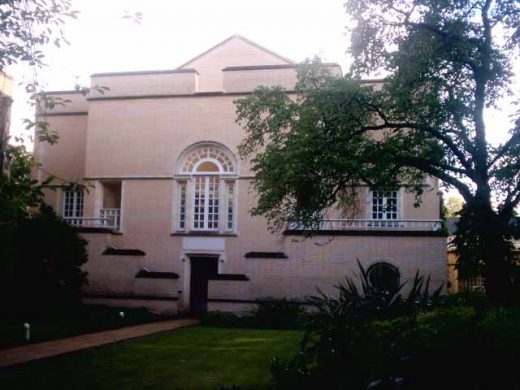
(73,205)
(385,205)
(206,196)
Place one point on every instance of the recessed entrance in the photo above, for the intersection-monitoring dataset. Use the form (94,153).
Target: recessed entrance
(202,269)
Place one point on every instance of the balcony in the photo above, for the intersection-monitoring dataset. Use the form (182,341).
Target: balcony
(371,224)
(108,219)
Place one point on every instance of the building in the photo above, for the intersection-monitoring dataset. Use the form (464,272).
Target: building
(167,214)
(6,100)
(473,283)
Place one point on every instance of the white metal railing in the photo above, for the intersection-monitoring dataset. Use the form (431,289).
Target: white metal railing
(112,218)
(371,224)
(109,218)
(85,222)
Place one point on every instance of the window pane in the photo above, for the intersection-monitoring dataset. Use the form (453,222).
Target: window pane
(206,203)
(213,202)
(199,202)
(230,199)
(73,204)
(208,166)
(384,205)
(182,206)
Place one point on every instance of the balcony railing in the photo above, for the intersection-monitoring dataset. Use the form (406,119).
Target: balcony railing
(371,224)
(112,217)
(109,219)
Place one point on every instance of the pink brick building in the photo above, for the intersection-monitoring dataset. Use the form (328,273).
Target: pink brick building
(167,214)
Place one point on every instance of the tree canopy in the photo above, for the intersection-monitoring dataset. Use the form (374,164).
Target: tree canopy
(40,254)
(446,63)
(453,206)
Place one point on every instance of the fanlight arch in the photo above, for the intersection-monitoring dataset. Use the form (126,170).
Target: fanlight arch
(205,187)
(198,158)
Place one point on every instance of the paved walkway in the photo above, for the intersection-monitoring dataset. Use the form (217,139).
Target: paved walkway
(27,353)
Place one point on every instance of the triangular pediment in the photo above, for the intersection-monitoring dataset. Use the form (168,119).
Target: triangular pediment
(241,49)
(234,51)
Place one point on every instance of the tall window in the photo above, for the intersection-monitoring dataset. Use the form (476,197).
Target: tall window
(182,206)
(206,201)
(230,205)
(384,205)
(73,204)
(206,190)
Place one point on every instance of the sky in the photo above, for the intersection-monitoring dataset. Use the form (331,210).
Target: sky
(172,32)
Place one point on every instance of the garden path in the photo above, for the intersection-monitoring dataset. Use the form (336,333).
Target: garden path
(9,357)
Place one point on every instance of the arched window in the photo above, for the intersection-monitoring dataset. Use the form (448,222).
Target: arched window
(205,153)
(384,276)
(206,200)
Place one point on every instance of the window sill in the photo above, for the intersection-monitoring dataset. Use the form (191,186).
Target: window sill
(203,234)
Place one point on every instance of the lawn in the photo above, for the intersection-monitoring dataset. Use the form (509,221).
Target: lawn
(199,357)
(84,319)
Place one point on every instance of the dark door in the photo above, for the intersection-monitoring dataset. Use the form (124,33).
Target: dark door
(202,268)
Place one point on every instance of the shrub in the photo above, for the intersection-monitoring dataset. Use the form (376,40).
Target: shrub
(41,269)
(269,313)
(279,313)
(338,349)
(224,319)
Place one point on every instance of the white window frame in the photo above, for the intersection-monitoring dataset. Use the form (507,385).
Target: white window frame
(208,180)
(219,188)
(385,214)
(182,205)
(76,211)
(229,209)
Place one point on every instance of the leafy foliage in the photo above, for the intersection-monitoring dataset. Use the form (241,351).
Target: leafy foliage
(269,313)
(453,206)
(275,313)
(334,350)
(18,190)
(446,62)
(41,260)
(368,339)
(40,254)
(26,26)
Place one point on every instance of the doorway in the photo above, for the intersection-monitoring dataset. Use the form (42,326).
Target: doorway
(202,269)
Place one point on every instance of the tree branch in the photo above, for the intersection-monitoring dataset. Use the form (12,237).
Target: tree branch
(435,133)
(424,166)
(505,148)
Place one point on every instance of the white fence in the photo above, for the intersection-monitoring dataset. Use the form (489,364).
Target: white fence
(109,218)
(371,224)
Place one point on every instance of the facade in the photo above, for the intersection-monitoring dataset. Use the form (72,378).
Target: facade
(6,100)
(167,213)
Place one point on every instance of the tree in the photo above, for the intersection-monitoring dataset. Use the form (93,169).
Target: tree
(446,62)
(26,27)
(453,206)
(41,267)
(40,254)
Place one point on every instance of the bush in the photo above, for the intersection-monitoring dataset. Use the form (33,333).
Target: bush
(279,313)
(339,349)
(224,319)
(269,313)
(41,268)
(452,346)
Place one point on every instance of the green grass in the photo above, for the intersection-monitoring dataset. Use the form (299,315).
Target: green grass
(193,358)
(85,319)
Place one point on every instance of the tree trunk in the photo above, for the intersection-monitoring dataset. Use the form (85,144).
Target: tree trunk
(484,245)
(498,266)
